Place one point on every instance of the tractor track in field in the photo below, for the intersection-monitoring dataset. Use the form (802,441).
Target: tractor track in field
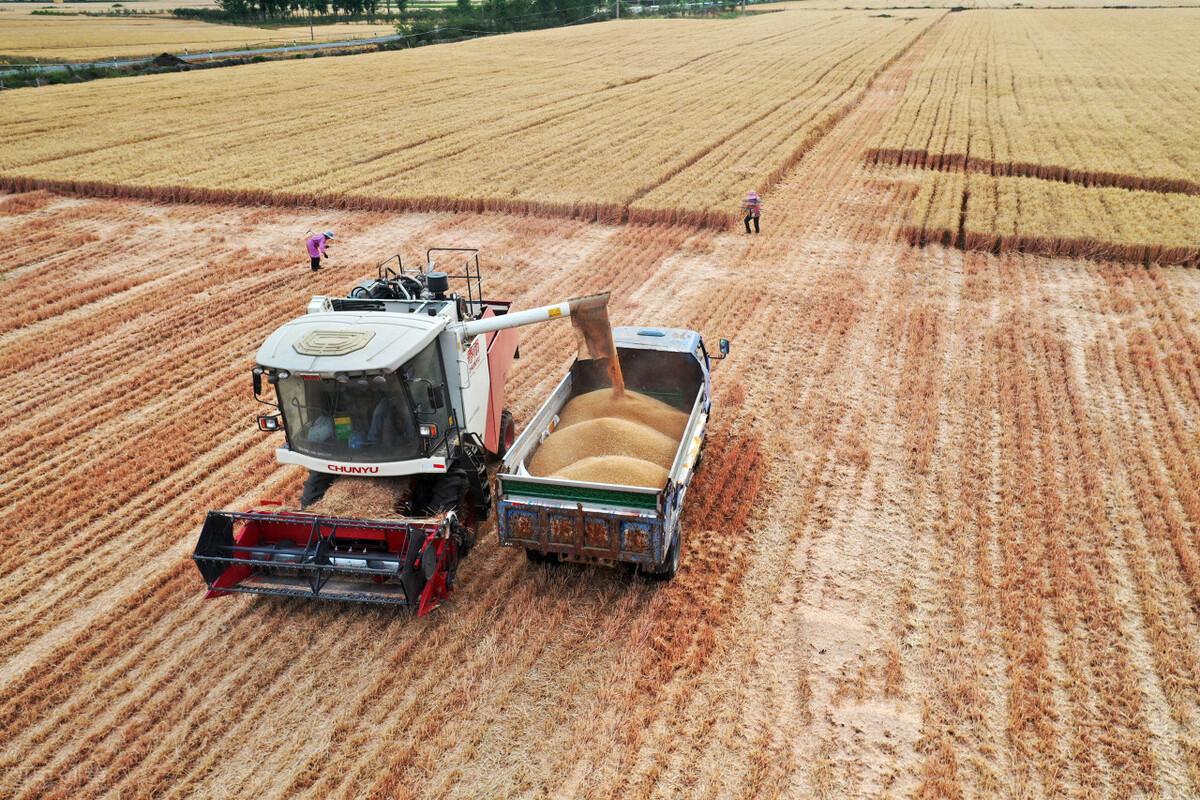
(946,540)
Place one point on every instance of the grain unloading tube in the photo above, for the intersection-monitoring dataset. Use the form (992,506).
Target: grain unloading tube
(514,319)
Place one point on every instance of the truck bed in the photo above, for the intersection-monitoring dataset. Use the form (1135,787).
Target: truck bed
(585,521)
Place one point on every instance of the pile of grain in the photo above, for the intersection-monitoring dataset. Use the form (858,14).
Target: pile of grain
(609,435)
(364,498)
(630,406)
(629,440)
(621,470)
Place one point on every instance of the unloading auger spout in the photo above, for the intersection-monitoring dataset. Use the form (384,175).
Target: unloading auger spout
(515,319)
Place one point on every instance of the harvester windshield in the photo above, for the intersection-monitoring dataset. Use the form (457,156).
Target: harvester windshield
(365,419)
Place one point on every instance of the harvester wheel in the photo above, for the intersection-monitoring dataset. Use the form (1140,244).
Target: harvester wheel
(670,565)
(508,433)
(450,493)
(447,491)
(315,487)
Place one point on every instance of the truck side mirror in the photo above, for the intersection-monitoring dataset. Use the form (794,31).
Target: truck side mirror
(257,383)
(724,347)
(435,397)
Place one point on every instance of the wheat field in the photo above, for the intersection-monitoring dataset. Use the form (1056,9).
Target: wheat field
(25,37)
(84,6)
(945,542)
(1086,104)
(666,120)
(1056,218)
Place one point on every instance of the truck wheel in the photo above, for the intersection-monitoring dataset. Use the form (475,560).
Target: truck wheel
(670,565)
(508,434)
(538,557)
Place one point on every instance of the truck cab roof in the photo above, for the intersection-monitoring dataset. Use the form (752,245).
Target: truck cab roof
(674,339)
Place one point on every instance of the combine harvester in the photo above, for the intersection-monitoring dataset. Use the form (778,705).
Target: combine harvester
(404,380)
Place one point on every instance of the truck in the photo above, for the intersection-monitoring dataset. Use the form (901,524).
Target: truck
(558,520)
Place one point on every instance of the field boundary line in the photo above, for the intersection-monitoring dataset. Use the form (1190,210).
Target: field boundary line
(959,162)
(610,213)
(1075,247)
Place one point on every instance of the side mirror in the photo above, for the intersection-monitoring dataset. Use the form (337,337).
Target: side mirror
(436,400)
(724,347)
(269,423)
(257,383)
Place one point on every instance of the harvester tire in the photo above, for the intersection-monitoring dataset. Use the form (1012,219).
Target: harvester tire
(670,565)
(315,487)
(448,491)
(508,434)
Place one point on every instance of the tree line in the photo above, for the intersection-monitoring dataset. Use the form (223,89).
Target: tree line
(436,23)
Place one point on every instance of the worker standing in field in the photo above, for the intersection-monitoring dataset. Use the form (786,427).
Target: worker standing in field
(752,206)
(316,248)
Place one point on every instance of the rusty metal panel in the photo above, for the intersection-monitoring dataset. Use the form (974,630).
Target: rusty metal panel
(562,528)
(598,535)
(636,538)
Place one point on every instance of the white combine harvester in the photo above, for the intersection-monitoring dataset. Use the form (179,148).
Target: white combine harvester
(401,378)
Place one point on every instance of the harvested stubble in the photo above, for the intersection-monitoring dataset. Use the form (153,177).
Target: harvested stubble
(364,498)
(494,129)
(987,644)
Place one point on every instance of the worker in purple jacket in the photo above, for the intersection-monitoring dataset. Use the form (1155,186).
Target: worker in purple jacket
(752,206)
(316,248)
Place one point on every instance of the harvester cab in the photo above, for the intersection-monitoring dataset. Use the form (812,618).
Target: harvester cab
(402,381)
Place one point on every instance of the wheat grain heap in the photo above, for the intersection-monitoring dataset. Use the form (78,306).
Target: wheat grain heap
(610,435)
(628,440)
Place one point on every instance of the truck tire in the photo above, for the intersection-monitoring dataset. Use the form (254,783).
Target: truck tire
(670,566)
(538,557)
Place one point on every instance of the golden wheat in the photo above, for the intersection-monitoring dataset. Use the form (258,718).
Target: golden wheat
(1055,218)
(23,38)
(1103,98)
(681,115)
